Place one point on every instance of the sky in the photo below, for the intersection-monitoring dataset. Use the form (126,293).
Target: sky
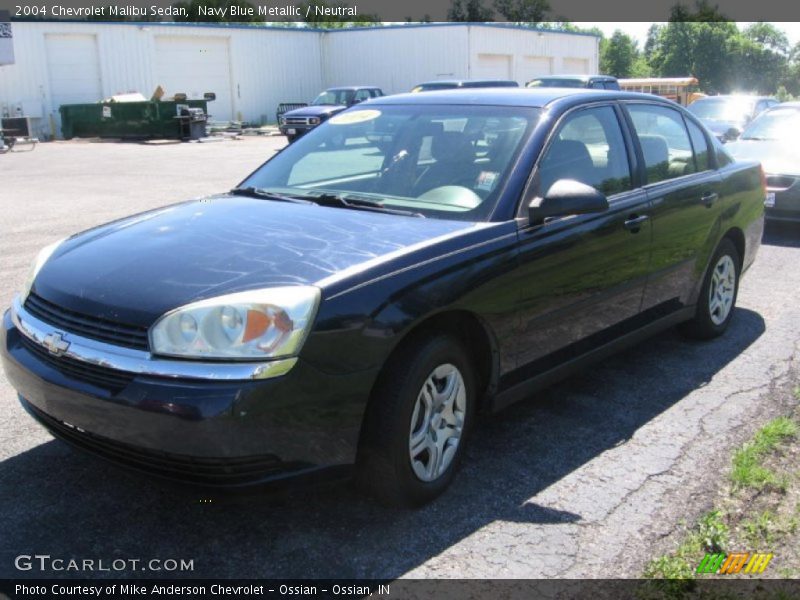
(639,30)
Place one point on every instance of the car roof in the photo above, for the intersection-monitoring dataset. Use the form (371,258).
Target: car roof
(734,97)
(531,97)
(575,77)
(462,81)
(352,87)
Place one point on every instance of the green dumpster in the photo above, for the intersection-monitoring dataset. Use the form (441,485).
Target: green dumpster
(147,119)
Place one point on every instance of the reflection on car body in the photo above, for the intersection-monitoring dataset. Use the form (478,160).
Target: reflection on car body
(772,139)
(364,293)
(727,116)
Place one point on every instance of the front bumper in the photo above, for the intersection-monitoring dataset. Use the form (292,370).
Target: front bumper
(787,198)
(298,129)
(214,432)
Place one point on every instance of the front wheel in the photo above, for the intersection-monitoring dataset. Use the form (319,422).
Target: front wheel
(718,295)
(417,424)
(291,138)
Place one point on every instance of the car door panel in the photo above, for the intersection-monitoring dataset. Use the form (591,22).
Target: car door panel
(684,212)
(581,275)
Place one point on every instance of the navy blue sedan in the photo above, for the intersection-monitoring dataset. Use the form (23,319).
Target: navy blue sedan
(362,296)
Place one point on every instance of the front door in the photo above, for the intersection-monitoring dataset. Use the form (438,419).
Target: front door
(582,275)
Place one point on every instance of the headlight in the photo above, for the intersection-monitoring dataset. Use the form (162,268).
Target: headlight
(268,323)
(283,121)
(44,254)
(313,121)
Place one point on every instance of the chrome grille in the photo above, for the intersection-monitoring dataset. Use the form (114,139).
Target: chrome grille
(103,377)
(102,330)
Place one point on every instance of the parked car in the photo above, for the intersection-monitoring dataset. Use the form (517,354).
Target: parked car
(332,101)
(595,82)
(772,138)
(727,116)
(451,84)
(359,304)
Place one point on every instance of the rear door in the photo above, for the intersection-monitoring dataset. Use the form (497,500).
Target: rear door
(684,191)
(582,275)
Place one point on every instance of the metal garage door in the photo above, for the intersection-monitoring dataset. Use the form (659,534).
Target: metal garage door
(196,65)
(492,66)
(535,66)
(74,70)
(576,66)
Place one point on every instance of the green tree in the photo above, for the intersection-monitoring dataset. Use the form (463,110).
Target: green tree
(651,44)
(768,36)
(618,55)
(791,80)
(523,11)
(469,10)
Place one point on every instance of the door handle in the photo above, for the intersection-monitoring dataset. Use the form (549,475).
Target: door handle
(709,198)
(634,223)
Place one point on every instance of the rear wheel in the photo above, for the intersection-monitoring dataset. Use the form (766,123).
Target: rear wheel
(417,423)
(718,295)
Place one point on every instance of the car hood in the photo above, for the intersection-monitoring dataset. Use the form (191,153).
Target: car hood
(777,158)
(314,111)
(136,269)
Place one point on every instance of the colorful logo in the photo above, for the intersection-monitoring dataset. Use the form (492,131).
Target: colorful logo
(733,563)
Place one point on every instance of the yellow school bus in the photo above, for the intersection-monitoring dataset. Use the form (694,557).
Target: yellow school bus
(682,90)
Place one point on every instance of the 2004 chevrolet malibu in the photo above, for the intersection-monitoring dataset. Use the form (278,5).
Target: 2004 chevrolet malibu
(361,296)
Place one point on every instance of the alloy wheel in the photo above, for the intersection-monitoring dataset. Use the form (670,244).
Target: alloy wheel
(437,422)
(722,290)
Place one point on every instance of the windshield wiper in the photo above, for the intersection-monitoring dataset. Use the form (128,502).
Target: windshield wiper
(254,192)
(356,203)
(756,138)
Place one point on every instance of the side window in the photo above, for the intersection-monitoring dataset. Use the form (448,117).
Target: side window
(361,95)
(664,140)
(589,148)
(376,93)
(700,145)
(597,85)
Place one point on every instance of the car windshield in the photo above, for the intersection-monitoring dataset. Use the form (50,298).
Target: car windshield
(722,109)
(781,124)
(562,83)
(446,162)
(334,98)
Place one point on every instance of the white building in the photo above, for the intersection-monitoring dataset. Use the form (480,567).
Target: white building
(253,69)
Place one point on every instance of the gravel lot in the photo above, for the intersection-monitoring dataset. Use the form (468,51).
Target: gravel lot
(582,480)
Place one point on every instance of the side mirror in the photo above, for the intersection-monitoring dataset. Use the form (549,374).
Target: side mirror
(566,197)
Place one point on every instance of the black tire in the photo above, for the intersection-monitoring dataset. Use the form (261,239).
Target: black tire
(702,326)
(291,138)
(384,466)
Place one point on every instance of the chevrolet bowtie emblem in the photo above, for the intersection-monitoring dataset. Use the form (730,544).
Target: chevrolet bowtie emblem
(55,344)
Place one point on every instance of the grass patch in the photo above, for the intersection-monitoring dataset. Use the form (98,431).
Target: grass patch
(748,468)
(722,529)
(760,530)
(710,535)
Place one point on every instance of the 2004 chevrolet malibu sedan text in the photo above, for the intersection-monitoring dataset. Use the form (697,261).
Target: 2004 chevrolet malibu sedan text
(364,293)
